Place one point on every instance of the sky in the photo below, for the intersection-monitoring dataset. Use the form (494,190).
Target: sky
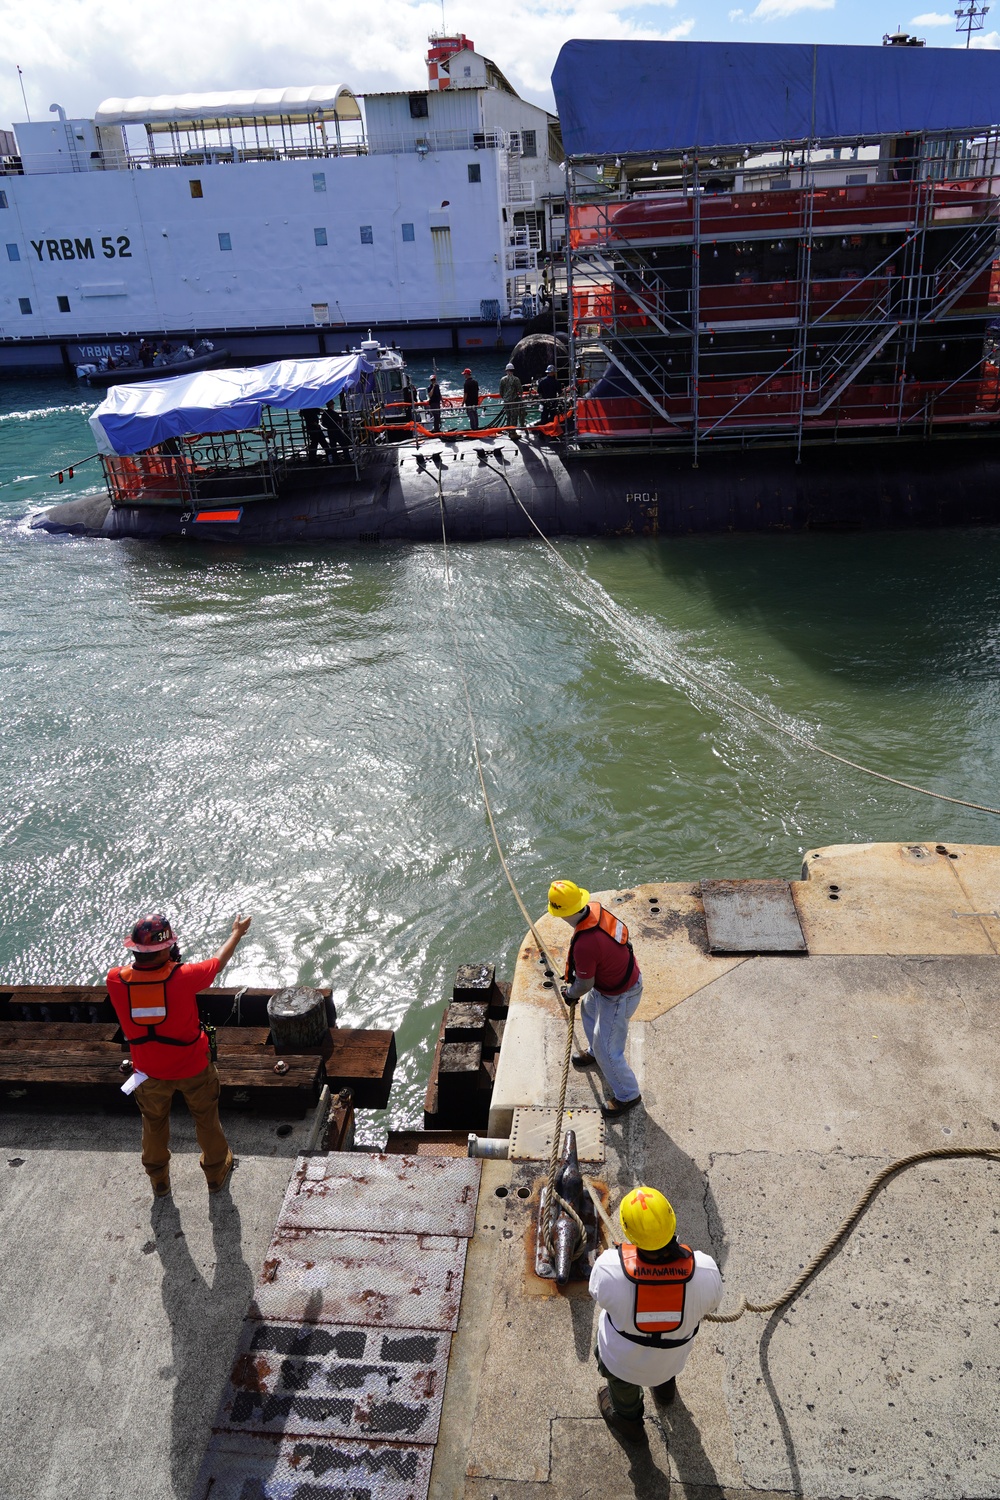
(78,52)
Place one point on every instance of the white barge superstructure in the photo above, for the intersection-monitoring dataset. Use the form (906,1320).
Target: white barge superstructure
(281,221)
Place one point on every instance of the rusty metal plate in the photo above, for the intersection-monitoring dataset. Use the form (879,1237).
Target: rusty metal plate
(382,1280)
(238,1466)
(751,916)
(364,1383)
(397,1194)
(531,1133)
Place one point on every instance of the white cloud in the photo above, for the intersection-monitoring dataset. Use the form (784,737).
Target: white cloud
(932,18)
(80,54)
(776,10)
(680,31)
(736,15)
(990,42)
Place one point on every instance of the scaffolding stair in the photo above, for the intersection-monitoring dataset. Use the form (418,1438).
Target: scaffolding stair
(643,300)
(654,375)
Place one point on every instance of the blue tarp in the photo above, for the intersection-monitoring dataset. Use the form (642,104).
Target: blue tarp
(625,98)
(134,417)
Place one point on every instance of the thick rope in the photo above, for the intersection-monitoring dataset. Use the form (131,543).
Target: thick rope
(738,703)
(936,1153)
(549,961)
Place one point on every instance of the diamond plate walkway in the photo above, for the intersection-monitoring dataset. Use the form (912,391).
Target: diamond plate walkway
(339,1374)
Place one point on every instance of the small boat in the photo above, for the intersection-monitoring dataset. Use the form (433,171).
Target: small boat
(207,359)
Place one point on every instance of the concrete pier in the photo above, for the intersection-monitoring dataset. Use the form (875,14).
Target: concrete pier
(775,1085)
(774,1088)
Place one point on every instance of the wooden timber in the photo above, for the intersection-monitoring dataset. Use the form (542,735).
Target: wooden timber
(61,1044)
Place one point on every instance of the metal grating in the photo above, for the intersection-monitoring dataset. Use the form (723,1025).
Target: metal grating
(531,1133)
(238,1466)
(378,1194)
(751,916)
(382,1280)
(336,1389)
(344,1382)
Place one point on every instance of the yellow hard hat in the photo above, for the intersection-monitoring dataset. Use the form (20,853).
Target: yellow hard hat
(566,899)
(647,1219)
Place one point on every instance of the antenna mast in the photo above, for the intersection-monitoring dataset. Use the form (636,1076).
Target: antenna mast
(969,18)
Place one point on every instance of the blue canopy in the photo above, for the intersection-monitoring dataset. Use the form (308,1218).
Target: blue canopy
(637,98)
(134,417)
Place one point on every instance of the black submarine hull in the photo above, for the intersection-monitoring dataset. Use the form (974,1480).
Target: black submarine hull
(498,489)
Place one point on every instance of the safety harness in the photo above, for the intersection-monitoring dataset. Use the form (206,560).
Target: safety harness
(616,931)
(659,1297)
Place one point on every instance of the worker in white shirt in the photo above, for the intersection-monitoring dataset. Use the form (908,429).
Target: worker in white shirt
(653,1292)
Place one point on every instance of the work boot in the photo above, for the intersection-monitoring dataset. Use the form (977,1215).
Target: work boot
(666,1392)
(581,1060)
(633,1431)
(216,1187)
(160,1185)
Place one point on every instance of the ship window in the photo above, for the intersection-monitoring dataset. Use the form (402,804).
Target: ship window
(777,184)
(319,235)
(63,304)
(225,240)
(13,253)
(3,201)
(319,182)
(367,238)
(558,210)
(418,106)
(475,172)
(529,143)
(408,233)
(194,183)
(24,303)
(857,179)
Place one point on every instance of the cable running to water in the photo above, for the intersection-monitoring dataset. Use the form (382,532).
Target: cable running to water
(738,703)
(550,964)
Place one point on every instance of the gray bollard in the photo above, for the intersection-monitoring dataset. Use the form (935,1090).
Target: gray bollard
(298,1019)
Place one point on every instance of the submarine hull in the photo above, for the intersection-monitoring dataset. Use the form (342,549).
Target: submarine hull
(497,488)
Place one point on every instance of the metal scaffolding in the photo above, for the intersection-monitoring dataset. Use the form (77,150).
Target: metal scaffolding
(784,293)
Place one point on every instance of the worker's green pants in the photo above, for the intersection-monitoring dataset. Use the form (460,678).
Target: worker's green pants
(626,1398)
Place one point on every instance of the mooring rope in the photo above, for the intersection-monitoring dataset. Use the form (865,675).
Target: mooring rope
(738,703)
(843,1229)
(550,964)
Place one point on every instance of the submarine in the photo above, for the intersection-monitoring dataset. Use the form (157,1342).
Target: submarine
(318,449)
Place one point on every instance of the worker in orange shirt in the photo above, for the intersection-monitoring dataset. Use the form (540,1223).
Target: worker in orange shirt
(155,1000)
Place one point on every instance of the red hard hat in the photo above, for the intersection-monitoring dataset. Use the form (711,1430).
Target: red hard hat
(466,372)
(151,934)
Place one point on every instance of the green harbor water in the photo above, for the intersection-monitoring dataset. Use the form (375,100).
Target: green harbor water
(283,732)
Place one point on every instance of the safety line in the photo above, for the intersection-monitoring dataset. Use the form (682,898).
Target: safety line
(550,964)
(992,1153)
(738,703)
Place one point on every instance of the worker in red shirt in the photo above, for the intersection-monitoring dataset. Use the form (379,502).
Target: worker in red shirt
(601,972)
(155,1000)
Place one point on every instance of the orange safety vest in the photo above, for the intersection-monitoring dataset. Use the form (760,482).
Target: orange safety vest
(659,1295)
(147,1008)
(615,929)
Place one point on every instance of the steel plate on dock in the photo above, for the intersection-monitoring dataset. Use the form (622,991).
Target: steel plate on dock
(531,1133)
(383,1280)
(751,916)
(238,1466)
(358,1383)
(396,1194)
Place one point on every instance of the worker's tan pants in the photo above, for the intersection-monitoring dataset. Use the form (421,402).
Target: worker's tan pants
(201,1094)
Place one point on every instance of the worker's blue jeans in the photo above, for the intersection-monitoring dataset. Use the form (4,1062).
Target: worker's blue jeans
(605,1024)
